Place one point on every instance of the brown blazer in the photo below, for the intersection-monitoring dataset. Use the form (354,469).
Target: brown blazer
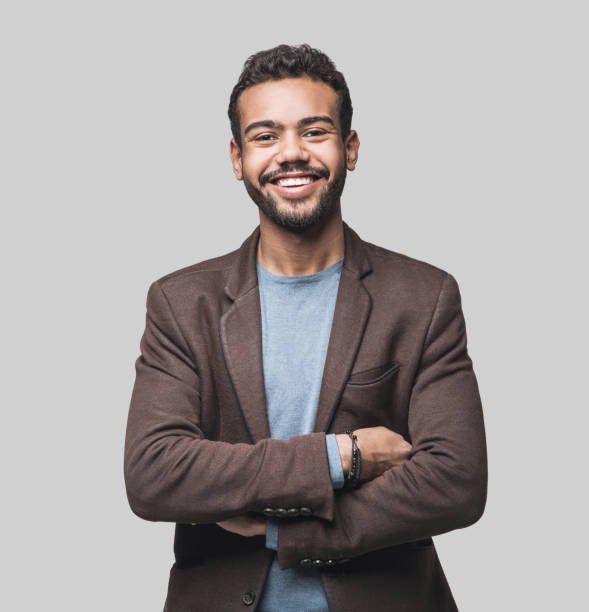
(198,448)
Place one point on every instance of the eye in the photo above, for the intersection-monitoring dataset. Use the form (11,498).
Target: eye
(264,137)
(314,132)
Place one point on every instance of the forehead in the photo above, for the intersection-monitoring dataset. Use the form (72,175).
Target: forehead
(287,100)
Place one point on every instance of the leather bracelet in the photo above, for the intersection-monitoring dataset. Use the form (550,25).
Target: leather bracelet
(353,478)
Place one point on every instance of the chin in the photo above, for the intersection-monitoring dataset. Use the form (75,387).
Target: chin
(312,217)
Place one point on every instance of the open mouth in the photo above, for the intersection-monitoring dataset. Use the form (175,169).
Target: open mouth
(292,182)
(299,184)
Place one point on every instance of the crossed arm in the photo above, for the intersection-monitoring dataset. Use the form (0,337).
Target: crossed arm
(382,450)
(439,487)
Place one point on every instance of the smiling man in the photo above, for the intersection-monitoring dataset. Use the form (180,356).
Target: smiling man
(305,409)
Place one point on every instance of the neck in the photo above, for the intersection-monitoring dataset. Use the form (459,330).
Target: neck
(289,253)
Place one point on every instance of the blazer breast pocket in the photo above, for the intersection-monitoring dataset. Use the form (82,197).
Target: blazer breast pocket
(368,396)
(373,375)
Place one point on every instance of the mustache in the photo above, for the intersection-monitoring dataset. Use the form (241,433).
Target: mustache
(269,176)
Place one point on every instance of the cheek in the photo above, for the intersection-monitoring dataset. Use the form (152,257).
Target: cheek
(331,157)
(255,165)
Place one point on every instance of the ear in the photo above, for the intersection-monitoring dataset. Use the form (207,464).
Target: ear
(352,145)
(235,154)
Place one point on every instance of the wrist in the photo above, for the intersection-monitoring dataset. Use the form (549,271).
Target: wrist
(344,444)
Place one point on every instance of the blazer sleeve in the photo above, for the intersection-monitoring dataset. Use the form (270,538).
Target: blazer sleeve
(172,473)
(443,484)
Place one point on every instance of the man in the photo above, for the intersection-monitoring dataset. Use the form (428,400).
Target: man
(305,409)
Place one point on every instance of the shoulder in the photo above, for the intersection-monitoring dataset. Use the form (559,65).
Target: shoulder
(387,257)
(398,278)
(389,263)
(201,280)
(216,266)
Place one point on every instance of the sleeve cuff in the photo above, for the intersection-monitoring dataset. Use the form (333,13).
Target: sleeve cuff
(271,534)
(336,470)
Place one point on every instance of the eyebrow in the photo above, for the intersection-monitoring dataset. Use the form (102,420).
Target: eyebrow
(268,123)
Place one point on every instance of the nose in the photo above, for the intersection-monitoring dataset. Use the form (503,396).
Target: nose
(291,149)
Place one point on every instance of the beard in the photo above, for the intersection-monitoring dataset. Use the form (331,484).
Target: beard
(328,203)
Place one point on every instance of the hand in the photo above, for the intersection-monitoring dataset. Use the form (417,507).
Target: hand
(245,525)
(381,449)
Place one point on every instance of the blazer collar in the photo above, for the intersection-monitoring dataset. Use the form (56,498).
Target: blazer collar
(244,276)
(240,332)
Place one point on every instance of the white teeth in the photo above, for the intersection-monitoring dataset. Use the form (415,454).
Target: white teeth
(294,182)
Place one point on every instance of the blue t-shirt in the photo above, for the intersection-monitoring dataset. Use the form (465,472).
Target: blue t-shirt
(297,314)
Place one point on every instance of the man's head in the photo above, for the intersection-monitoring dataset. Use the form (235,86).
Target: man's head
(290,115)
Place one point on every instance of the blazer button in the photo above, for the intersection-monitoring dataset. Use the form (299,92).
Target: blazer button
(306,562)
(304,511)
(248,598)
(292,512)
(280,512)
(268,512)
(318,563)
(330,563)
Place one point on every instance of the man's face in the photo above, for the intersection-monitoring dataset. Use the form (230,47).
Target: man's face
(293,161)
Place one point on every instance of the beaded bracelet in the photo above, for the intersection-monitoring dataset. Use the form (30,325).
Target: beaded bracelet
(353,478)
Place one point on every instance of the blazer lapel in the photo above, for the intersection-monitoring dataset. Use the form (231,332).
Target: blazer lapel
(240,331)
(352,309)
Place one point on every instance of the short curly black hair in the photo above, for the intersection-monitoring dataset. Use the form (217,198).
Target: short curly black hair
(286,61)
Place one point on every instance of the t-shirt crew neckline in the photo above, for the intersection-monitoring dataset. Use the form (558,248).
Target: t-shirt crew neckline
(304,278)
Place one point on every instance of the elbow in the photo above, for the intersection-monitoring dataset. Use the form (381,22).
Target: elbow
(154,495)
(142,503)
(473,510)
(472,501)
(141,509)
(144,487)
(142,506)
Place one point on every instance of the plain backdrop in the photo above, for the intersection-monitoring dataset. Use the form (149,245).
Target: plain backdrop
(114,171)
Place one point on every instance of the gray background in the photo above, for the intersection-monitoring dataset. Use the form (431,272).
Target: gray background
(114,171)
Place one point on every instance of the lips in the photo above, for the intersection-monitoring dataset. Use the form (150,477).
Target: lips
(289,177)
(294,181)
(294,186)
